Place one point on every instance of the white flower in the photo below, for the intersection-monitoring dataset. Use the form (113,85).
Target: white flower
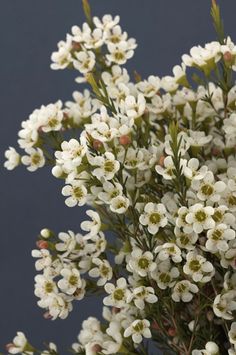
(134,159)
(154,217)
(116,76)
(232,333)
(192,171)
(107,166)
(119,53)
(119,204)
(169,251)
(84,62)
(201,57)
(218,237)
(198,267)
(207,188)
(13,159)
(165,275)
(71,155)
(141,263)
(149,87)
(169,84)
(225,304)
(34,160)
(18,345)
(183,291)
(138,329)
(103,271)
(90,329)
(68,242)
(77,194)
(106,22)
(185,240)
(211,348)
(44,286)
(200,218)
(92,227)
(62,58)
(58,305)
(117,294)
(110,191)
(71,280)
(167,171)
(52,349)
(45,258)
(92,38)
(135,108)
(51,117)
(198,138)
(142,294)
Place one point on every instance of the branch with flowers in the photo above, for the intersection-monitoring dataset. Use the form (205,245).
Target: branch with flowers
(155,161)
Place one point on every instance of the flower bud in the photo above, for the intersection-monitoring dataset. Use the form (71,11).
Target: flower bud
(215,152)
(161,160)
(212,347)
(115,310)
(76,46)
(97,144)
(57,171)
(45,233)
(125,140)
(9,346)
(96,348)
(228,57)
(155,325)
(191,325)
(47,315)
(171,332)
(42,244)
(210,316)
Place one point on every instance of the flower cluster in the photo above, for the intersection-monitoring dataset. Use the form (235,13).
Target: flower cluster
(156,159)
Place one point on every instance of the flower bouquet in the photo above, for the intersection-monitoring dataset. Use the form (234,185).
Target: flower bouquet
(154,159)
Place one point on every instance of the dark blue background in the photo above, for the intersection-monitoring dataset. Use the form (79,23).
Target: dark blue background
(29,32)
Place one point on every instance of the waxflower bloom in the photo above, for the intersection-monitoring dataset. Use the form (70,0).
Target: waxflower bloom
(154,217)
(138,329)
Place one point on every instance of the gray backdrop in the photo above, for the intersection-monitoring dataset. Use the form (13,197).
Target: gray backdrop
(29,32)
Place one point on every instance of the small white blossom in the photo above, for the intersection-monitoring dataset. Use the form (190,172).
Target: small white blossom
(141,295)
(34,160)
(138,329)
(93,226)
(141,263)
(102,269)
(117,294)
(183,291)
(77,194)
(70,282)
(84,62)
(198,267)
(154,217)
(200,218)
(13,159)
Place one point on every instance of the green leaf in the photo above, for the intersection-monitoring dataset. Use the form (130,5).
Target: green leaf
(87,12)
(217,21)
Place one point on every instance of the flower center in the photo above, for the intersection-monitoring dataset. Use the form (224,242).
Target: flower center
(118,294)
(200,216)
(138,327)
(78,193)
(73,280)
(155,218)
(207,190)
(194,265)
(109,166)
(143,263)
